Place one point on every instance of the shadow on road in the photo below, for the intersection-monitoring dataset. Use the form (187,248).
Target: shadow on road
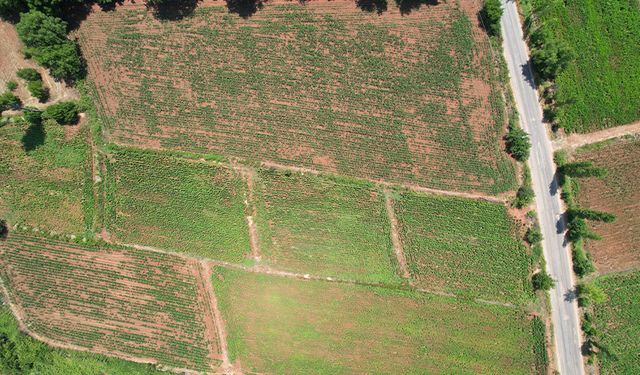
(570,295)
(528,74)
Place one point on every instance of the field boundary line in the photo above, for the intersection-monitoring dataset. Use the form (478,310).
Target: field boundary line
(574,141)
(248,175)
(415,188)
(395,235)
(266,270)
(20,319)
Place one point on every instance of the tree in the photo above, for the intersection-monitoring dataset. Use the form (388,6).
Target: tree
(63,113)
(582,169)
(578,229)
(9,101)
(491,13)
(12,85)
(589,214)
(582,264)
(524,196)
(542,281)
(534,235)
(4,229)
(549,55)
(518,143)
(32,115)
(37,30)
(63,60)
(29,74)
(38,91)
(11,9)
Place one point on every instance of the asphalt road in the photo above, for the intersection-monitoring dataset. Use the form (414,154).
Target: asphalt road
(564,306)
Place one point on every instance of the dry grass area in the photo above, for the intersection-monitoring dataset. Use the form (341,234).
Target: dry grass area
(410,99)
(120,302)
(617,193)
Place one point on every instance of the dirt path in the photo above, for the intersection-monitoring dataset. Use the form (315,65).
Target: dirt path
(488,198)
(574,140)
(395,235)
(249,176)
(214,326)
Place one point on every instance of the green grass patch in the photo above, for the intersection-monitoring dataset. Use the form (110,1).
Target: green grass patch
(45,177)
(174,203)
(279,325)
(618,325)
(463,246)
(326,86)
(601,88)
(324,226)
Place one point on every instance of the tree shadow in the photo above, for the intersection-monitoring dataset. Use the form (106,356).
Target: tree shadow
(377,6)
(407,6)
(527,72)
(570,295)
(108,7)
(244,8)
(74,12)
(33,137)
(173,10)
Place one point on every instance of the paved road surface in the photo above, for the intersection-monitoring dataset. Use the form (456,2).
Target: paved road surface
(556,251)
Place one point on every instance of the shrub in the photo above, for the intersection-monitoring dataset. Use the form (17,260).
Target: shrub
(12,85)
(578,229)
(37,29)
(582,264)
(582,169)
(491,13)
(534,235)
(542,281)
(9,101)
(38,91)
(589,293)
(518,143)
(524,196)
(588,214)
(33,116)
(29,74)
(62,60)
(64,113)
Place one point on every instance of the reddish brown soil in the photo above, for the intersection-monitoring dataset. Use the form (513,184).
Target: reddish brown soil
(617,193)
(395,236)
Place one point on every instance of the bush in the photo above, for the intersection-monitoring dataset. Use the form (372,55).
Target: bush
(582,169)
(518,144)
(62,60)
(542,281)
(491,13)
(582,264)
(9,101)
(33,116)
(524,196)
(37,30)
(12,85)
(63,113)
(29,74)
(534,235)
(589,293)
(38,91)
(588,214)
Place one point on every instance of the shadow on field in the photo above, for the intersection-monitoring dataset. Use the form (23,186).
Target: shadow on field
(407,6)
(173,10)
(378,6)
(33,137)
(244,8)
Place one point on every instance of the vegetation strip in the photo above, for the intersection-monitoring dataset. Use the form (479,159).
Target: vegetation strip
(395,235)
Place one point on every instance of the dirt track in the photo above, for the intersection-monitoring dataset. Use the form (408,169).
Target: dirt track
(574,140)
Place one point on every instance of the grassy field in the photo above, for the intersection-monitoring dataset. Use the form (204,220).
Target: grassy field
(45,179)
(618,324)
(602,87)
(178,204)
(279,325)
(324,226)
(322,85)
(463,246)
(115,301)
(20,353)
(617,193)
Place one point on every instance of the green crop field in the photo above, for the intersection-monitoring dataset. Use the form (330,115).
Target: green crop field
(279,325)
(463,246)
(19,353)
(618,323)
(601,88)
(324,226)
(327,86)
(115,301)
(174,203)
(45,178)
(616,193)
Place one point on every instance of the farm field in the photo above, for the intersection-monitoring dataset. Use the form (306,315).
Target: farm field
(463,246)
(278,325)
(324,226)
(410,99)
(42,359)
(121,302)
(175,203)
(601,88)
(45,179)
(617,193)
(618,324)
